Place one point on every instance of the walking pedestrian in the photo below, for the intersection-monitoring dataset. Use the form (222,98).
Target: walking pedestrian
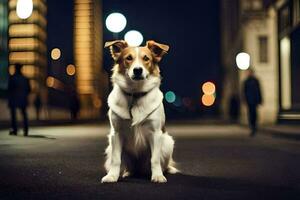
(18,91)
(37,104)
(252,94)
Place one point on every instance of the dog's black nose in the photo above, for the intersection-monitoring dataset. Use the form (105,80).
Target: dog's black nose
(137,71)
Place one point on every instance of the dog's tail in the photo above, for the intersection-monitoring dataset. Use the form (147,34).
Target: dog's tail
(172,169)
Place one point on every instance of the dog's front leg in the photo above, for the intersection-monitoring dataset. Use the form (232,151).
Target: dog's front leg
(114,171)
(157,174)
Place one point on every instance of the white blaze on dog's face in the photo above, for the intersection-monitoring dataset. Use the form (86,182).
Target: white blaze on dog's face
(137,62)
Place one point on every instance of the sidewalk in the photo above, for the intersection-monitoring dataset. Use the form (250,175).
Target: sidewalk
(67,122)
(290,131)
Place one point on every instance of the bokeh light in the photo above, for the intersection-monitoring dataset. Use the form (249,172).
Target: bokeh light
(134,38)
(243,61)
(70,70)
(187,102)
(24,8)
(177,102)
(50,81)
(115,22)
(55,53)
(208,99)
(11,70)
(170,97)
(208,88)
(97,103)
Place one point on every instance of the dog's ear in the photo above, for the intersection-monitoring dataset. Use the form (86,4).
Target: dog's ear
(158,50)
(116,48)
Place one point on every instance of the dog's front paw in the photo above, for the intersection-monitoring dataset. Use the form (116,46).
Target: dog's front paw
(109,179)
(158,179)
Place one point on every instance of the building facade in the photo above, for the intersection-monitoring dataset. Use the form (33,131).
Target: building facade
(288,13)
(265,30)
(250,27)
(91,80)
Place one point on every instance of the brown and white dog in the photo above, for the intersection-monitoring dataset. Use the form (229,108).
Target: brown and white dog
(138,142)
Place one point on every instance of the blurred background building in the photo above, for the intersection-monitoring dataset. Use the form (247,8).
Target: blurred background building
(59,69)
(269,32)
(91,79)
(26,44)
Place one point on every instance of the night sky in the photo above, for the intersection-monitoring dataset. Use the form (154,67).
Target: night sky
(190,28)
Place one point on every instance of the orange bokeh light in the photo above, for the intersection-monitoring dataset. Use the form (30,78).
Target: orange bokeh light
(50,81)
(208,99)
(70,70)
(208,88)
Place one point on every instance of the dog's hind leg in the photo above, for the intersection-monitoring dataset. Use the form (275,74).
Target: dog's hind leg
(167,152)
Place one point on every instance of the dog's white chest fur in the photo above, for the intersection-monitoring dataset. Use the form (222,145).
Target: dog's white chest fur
(135,109)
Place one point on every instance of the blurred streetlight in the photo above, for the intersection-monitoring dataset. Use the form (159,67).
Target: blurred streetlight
(208,100)
(243,61)
(115,22)
(208,88)
(70,70)
(170,97)
(134,38)
(55,53)
(24,8)
(50,81)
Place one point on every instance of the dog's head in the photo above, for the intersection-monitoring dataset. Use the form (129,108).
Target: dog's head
(137,62)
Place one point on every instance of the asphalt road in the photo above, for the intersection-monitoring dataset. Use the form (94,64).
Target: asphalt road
(217,162)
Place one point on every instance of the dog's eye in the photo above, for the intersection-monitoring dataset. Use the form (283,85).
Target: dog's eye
(146,58)
(129,58)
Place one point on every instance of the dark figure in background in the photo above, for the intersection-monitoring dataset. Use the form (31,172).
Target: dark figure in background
(37,104)
(18,91)
(253,98)
(234,108)
(74,105)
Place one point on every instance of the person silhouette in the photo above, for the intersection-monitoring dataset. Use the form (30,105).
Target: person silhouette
(18,91)
(252,94)
(74,105)
(37,104)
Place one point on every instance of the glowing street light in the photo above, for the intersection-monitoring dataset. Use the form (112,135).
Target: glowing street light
(24,8)
(208,100)
(71,70)
(115,22)
(208,88)
(55,53)
(133,38)
(243,61)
